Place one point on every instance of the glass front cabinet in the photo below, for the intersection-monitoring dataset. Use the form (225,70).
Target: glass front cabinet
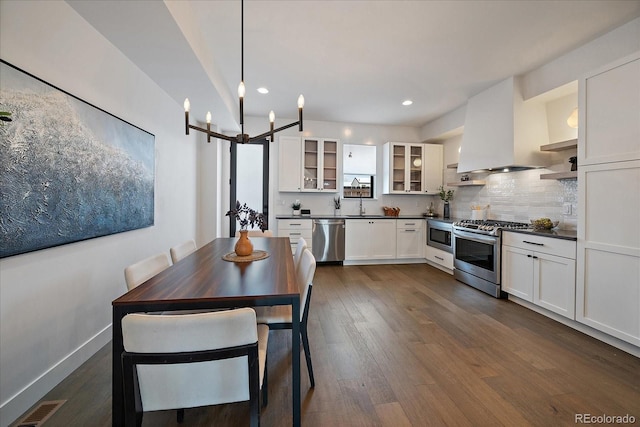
(320,164)
(411,168)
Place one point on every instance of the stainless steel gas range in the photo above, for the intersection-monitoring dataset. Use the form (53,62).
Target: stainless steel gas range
(476,249)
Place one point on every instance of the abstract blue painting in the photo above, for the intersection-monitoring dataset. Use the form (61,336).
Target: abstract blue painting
(69,171)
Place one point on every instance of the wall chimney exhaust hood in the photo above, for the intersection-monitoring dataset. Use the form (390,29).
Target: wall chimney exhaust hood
(502,131)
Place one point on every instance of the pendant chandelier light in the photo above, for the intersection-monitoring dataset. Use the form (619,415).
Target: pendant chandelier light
(242,137)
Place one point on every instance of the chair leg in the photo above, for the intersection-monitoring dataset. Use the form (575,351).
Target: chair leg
(180,415)
(307,353)
(265,385)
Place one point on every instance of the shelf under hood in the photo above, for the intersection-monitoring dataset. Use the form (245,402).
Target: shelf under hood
(501,131)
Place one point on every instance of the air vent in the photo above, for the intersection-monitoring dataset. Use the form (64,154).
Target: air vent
(41,413)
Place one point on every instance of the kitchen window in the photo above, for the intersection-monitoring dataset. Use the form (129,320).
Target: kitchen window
(359,171)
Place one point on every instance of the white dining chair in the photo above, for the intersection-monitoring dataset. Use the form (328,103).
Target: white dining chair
(182,250)
(142,271)
(300,247)
(193,360)
(279,316)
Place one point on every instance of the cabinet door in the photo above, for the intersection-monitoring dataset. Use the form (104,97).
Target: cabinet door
(517,272)
(398,168)
(381,239)
(357,240)
(330,160)
(432,161)
(289,158)
(554,281)
(311,164)
(414,179)
(410,243)
(609,113)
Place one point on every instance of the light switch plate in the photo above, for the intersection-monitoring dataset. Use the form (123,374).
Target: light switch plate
(566,209)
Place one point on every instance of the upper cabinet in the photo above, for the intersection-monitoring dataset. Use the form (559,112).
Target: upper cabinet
(613,100)
(320,164)
(308,164)
(502,130)
(289,163)
(411,168)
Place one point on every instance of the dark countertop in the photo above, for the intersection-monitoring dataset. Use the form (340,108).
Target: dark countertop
(329,216)
(555,233)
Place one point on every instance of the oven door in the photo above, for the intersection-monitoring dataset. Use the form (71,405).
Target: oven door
(477,254)
(439,236)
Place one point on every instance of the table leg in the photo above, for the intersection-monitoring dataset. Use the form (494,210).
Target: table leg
(295,361)
(117,396)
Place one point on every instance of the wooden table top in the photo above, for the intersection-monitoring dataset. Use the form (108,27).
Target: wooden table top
(204,277)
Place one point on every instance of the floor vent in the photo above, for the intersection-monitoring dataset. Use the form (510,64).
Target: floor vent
(41,413)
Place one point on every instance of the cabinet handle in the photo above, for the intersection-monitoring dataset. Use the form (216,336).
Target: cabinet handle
(409,223)
(294,224)
(533,243)
(294,234)
(529,256)
(437,257)
(410,231)
(534,257)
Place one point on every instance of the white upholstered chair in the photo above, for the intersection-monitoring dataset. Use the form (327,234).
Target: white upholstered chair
(142,271)
(192,360)
(182,250)
(279,316)
(300,247)
(257,233)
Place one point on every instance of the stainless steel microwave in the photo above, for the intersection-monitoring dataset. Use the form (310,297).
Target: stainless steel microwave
(439,235)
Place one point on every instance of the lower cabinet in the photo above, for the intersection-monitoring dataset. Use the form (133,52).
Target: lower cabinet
(440,257)
(541,270)
(294,229)
(410,238)
(370,239)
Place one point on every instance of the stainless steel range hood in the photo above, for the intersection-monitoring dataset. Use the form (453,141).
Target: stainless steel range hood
(502,131)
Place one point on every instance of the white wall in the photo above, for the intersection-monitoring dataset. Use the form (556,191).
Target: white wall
(55,304)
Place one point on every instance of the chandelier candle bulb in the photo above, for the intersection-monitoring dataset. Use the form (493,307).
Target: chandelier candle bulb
(187,105)
(300,106)
(208,126)
(272,119)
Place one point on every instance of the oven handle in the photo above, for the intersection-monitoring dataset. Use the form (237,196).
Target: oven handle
(475,237)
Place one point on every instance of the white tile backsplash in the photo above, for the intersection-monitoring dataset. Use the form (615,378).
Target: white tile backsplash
(518,196)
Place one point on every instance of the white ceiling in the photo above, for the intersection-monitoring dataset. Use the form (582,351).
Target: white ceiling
(354,61)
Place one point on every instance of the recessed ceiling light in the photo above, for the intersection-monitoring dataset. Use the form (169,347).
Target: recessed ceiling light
(263,90)
(407,102)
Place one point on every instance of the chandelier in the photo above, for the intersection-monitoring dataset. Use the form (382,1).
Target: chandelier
(242,138)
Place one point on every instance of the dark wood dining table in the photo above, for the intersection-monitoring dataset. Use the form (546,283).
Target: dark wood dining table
(203,280)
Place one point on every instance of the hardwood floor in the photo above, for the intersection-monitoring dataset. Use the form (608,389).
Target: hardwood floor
(407,345)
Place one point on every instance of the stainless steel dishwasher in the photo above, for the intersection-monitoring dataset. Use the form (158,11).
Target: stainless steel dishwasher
(327,240)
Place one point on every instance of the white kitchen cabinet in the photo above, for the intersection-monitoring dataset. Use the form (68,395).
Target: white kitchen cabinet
(289,163)
(608,257)
(411,168)
(369,239)
(410,238)
(540,270)
(320,164)
(433,166)
(439,257)
(294,229)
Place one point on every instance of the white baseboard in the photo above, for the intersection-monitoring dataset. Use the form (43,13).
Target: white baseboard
(385,261)
(601,336)
(19,403)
